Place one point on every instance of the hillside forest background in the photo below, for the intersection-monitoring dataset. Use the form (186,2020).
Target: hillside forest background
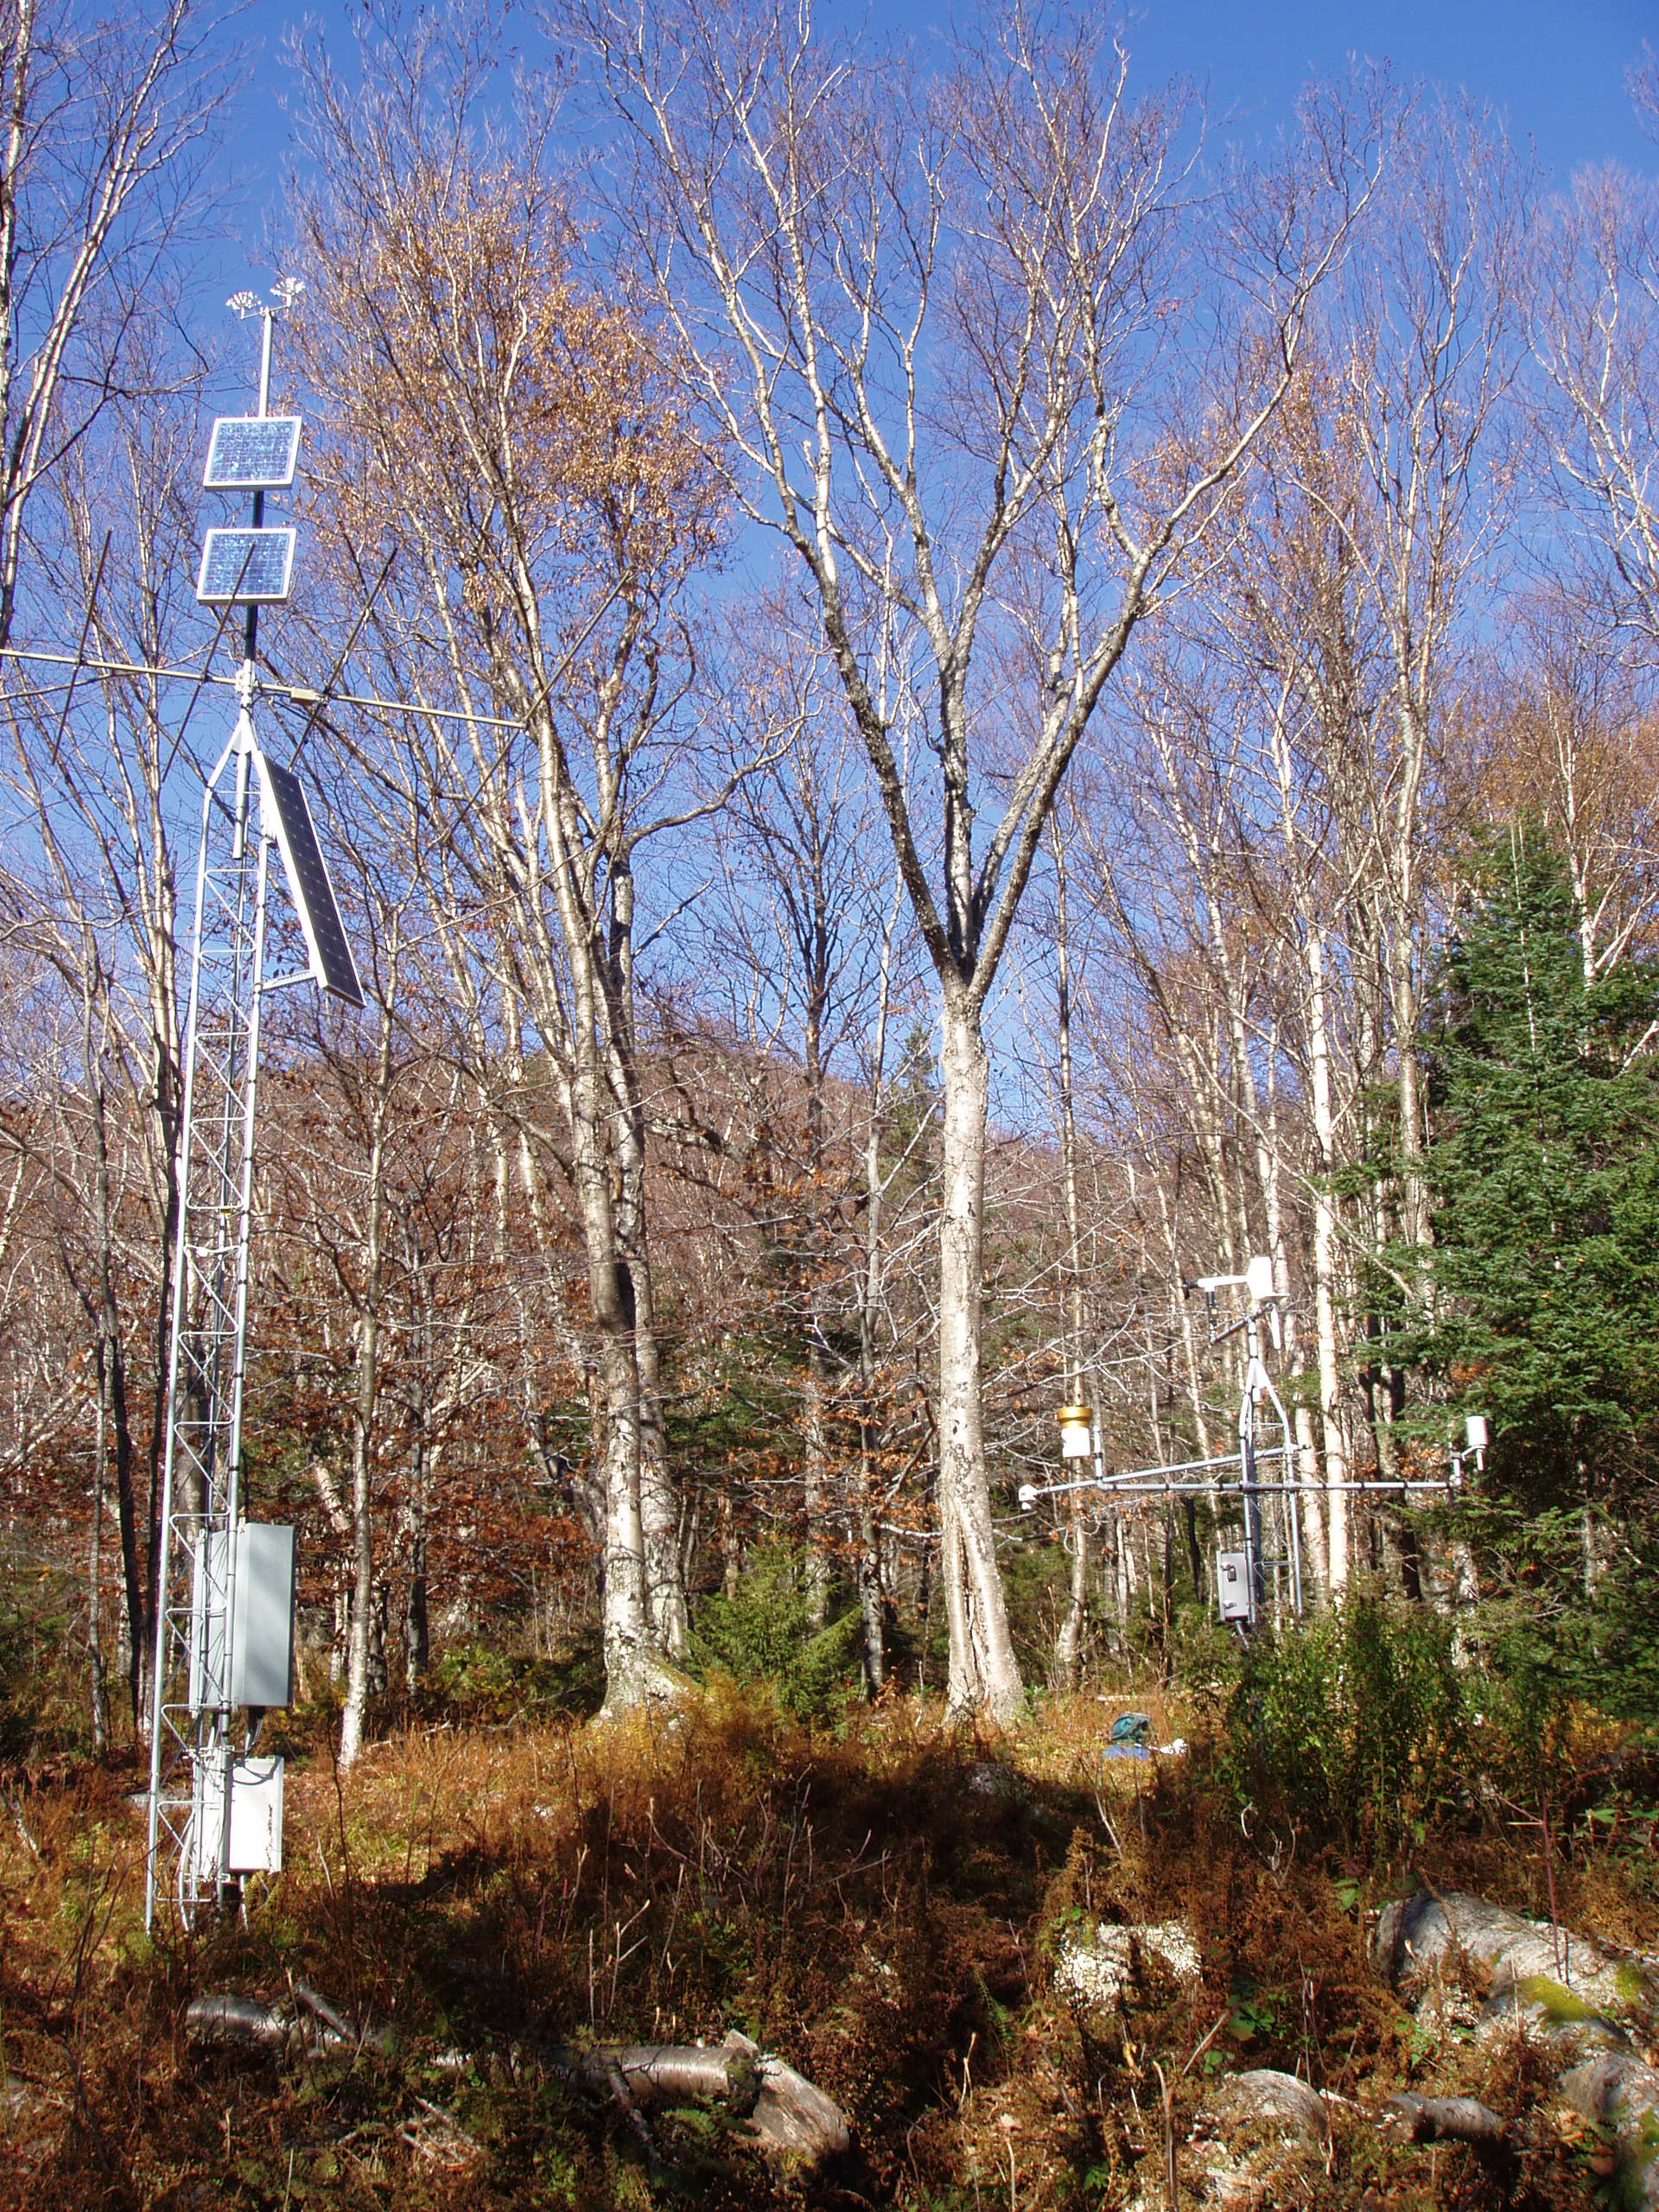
(997,703)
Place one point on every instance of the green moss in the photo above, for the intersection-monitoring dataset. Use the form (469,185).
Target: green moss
(1562,2008)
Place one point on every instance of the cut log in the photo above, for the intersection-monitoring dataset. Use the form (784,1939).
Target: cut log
(786,2114)
(309,2025)
(1450,2119)
(790,2115)
(339,2026)
(661,2073)
(243,2021)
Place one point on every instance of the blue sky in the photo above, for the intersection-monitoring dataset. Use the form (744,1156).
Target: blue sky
(1555,69)
(1557,73)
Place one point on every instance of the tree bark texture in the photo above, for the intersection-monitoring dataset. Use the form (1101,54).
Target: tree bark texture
(983,1669)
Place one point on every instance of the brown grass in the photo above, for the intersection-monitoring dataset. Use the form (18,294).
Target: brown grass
(881,1909)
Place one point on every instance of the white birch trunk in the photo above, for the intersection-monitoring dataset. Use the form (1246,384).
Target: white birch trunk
(983,1668)
(1324,1274)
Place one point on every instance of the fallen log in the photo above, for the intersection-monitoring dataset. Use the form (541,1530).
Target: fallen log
(1417,1935)
(224,2018)
(786,2114)
(336,2026)
(1601,2076)
(308,2025)
(660,2073)
(1450,2119)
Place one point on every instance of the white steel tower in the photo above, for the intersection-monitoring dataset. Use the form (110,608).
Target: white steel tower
(215,1636)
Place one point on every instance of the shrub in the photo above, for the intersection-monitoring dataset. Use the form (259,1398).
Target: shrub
(763,1633)
(44,1696)
(481,1682)
(1358,1719)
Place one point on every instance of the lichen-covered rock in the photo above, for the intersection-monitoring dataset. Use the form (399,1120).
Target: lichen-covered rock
(1618,2092)
(990,1778)
(1094,1972)
(1544,1969)
(1259,2145)
(1282,2102)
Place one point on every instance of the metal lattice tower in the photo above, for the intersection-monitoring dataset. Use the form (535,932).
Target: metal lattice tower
(205,1670)
(191,1747)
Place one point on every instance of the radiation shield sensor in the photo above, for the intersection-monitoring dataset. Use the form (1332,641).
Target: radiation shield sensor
(245,567)
(252,453)
(313,893)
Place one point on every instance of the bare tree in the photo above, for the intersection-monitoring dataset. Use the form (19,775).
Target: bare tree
(939,323)
(95,756)
(1596,338)
(1068,1645)
(797,934)
(1427,335)
(511,431)
(1558,732)
(104,120)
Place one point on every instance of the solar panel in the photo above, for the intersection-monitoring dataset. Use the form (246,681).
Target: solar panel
(252,453)
(308,880)
(245,567)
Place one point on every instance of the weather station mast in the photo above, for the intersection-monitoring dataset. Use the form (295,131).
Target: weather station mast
(1262,1578)
(225,1607)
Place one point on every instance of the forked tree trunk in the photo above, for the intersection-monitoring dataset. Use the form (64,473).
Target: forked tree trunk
(731,1554)
(360,1628)
(417,1633)
(1402,991)
(1068,1644)
(983,1668)
(815,1491)
(625,1613)
(869,1299)
(95,1578)
(659,1505)
(113,1413)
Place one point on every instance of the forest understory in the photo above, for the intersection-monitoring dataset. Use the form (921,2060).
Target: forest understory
(895,1908)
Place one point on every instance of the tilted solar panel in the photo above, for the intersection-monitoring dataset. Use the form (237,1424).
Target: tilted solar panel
(308,880)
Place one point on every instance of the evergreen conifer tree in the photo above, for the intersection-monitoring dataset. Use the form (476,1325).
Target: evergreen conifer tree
(1545,1176)
(1542,1282)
